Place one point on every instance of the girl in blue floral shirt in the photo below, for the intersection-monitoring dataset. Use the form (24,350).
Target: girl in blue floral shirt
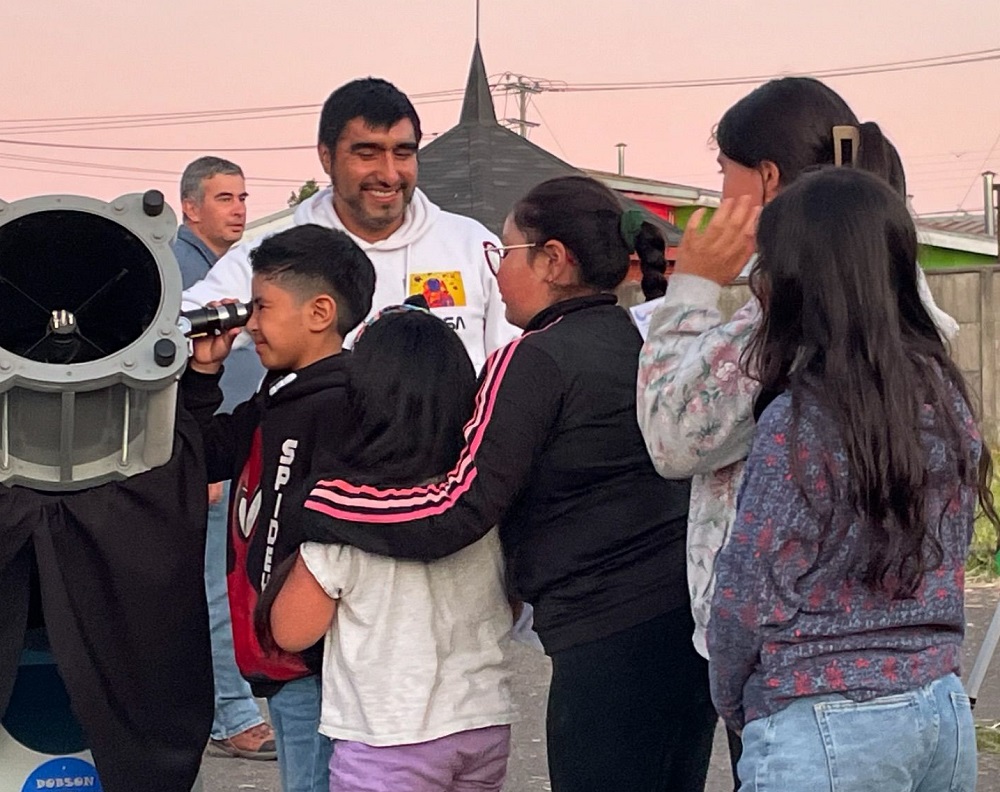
(837,617)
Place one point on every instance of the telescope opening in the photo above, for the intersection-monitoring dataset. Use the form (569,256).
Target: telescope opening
(74,287)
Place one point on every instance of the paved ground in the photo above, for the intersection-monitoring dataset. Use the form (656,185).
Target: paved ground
(527,769)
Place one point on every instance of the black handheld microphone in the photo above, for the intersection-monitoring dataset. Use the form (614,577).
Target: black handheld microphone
(214,320)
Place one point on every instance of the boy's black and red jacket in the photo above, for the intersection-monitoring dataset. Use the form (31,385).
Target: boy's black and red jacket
(268,447)
(594,538)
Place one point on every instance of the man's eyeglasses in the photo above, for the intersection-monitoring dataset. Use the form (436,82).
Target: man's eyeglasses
(495,254)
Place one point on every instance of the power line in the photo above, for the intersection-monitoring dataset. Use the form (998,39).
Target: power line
(101,126)
(977,56)
(165,114)
(983,165)
(143,180)
(175,118)
(548,126)
(138,120)
(141,121)
(972,56)
(91,175)
(131,169)
(206,113)
(243,149)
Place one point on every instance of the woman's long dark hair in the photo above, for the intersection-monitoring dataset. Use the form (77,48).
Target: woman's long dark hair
(411,391)
(843,321)
(586,216)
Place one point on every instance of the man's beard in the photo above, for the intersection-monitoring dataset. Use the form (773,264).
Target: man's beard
(376,221)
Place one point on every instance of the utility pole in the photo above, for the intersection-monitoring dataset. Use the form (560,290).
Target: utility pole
(989,204)
(524,87)
(996,203)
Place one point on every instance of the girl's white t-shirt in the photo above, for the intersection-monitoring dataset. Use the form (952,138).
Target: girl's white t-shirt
(417,651)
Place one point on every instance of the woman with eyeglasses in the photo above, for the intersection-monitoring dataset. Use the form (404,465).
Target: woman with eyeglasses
(592,536)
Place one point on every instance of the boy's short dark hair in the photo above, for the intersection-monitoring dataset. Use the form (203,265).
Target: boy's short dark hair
(311,260)
(380,103)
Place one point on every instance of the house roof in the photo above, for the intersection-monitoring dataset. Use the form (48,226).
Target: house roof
(957,231)
(480,169)
(959,222)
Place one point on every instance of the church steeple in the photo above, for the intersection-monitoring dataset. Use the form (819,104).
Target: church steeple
(477,107)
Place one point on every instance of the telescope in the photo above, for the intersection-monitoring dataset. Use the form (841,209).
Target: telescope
(90,348)
(91,353)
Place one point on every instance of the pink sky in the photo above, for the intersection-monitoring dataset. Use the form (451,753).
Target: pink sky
(65,58)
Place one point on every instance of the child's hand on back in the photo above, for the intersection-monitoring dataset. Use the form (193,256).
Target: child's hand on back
(208,351)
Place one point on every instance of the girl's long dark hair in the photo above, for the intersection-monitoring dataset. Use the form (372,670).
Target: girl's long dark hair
(843,322)
(790,121)
(411,391)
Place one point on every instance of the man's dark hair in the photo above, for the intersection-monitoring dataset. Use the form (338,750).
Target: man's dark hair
(380,103)
(310,260)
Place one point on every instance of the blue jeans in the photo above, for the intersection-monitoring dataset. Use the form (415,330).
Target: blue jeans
(923,740)
(303,753)
(235,709)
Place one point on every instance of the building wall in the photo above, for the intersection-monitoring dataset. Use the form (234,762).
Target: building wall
(968,295)
(931,257)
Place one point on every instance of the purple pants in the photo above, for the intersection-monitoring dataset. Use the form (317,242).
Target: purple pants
(463,762)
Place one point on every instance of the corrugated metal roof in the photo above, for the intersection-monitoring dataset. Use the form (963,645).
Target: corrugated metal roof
(963,223)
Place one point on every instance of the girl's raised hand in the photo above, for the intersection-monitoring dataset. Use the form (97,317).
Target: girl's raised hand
(721,249)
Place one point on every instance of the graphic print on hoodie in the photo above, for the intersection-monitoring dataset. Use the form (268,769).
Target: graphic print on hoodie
(244,528)
(434,253)
(269,446)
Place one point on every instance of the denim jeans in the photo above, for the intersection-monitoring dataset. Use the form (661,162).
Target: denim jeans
(923,740)
(303,753)
(235,709)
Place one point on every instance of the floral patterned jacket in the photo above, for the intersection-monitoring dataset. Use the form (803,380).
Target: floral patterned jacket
(695,409)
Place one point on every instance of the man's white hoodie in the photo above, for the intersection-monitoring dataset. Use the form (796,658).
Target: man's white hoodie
(434,253)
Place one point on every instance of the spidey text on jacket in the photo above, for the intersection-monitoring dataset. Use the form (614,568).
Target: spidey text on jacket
(281,478)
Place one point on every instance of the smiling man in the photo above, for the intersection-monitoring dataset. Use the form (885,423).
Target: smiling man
(368,138)
(369,133)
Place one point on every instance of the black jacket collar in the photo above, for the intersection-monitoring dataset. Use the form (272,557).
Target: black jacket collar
(329,372)
(548,315)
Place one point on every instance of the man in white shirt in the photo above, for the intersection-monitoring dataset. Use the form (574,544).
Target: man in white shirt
(368,138)
(369,133)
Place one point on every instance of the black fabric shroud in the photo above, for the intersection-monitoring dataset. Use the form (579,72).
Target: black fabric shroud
(121,572)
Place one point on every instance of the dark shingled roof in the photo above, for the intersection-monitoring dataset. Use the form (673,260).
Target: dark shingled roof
(480,169)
